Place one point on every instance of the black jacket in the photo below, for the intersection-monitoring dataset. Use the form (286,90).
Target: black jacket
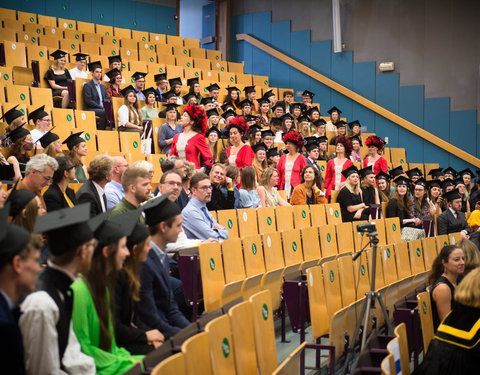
(219,201)
(90,95)
(55,200)
(88,194)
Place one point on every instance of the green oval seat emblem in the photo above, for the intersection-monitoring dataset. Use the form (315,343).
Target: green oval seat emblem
(329,238)
(114,41)
(205,90)
(265,311)
(22,110)
(70,26)
(196,74)
(388,252)
(123,66)
(87,136)
(31,19)
(72,46)
(332,276)
(114,52)
(362,270)
(69,118)
(269,220)
(133,80)
(22,96)
(160,159)
(222,68)
(40,54)
(34,39)
(151,59)
(144,39)
(304,214)
(38,31)
(225,347)
(322,168)
(424,305)
(294,246)
(212,264)
(418,252)
(185,51)
(265,82)
(77,36)
(107,33)
(336,213)
(401,161)
(135,144)
(151,47)
(230,224)
(254,249)
(217,57)
(160,70)
(231,78)
(445,243)
(188,64)
(394,227)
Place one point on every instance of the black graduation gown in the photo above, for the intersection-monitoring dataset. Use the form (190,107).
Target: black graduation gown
(345,198)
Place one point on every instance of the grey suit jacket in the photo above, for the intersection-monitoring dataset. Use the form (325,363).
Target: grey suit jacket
(90,95)
(447,223)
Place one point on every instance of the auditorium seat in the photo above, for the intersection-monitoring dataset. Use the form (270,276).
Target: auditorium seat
(310,244)
(197,356)
(318,215)
(441,240)
(63,118)
(346,278)
(393,230)
(328,240)
(228,218)
(301,216)
(416,256)
(284,218)
(345,239)
(333,213)
(266,220)
(221,346)
(430,250)
(388,263)
(292,247)
(173,365)
(247,222)
(426,319)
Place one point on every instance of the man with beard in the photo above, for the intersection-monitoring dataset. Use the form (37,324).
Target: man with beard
(136,183)
(51,346)
(198,223)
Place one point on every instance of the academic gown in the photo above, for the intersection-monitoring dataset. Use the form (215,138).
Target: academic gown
(87,328)
(345,198)
(51,346)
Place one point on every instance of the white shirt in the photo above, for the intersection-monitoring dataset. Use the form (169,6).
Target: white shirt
(100,192)
(182,243)
(75,72)
(123,115)
(36,135)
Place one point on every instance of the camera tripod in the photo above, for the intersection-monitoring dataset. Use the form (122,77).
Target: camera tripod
(368,304)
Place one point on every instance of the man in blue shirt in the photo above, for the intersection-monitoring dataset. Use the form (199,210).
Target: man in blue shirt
(139,84)
(198,223)
(114,189)
(95,93)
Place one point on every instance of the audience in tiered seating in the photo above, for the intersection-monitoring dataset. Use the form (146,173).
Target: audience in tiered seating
(95,93)
(57,76)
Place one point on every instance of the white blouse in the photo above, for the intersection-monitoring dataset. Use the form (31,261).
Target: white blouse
(123,116)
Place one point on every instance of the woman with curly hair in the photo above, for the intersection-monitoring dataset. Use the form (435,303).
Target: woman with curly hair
(191,143)
(309,189)
(334,180)
(239,153)
(290,165)
(375,145)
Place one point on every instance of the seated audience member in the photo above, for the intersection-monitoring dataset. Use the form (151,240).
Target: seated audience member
(291,164)
(146,166)
(115,78)
(341,131)
(93,191)
(356,131)
(356,155)
(194,89)
(176,89)
(38,174)
(309,189)
(14,119)
(79,70)
(130,332)
(19,266)
(137,188)
(169,129)
(21,142)
(323,148)
(232,97)
(46,320)
(223,198)
(214,141)
(420,206)
(350,197)
(471,254)
(95,93)
(446,272)
(139,84)
(434,198)
(312,148)
(114,62)
(414,174)
(113,189)
(214,91)
(170,98)
(162,84)
(129,116)
(149,111)
(319,124)
(198,222)
(185,194)
(239,153)
(334,113)
(462,190)
(57,76)
(59,195)
(93,298)
(234,173)
(307,97)
(334,179)
(453,219)
(248,195)
(455,347)
(375,146)
(77,151)
(383,187)
(267,191)
(369,191)
(287,102)
(42,122)
(259,162)
(157,304)
(51,144)
(25,207)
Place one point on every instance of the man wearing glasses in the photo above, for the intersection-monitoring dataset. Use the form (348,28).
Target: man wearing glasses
(198,223)
(42,122)
(38,174)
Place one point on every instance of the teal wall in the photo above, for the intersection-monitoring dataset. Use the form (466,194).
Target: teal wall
(432,114)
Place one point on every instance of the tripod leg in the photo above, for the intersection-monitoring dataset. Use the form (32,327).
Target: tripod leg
(368,302)
(385,315)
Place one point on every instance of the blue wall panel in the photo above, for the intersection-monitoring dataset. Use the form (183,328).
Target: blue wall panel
(386,95)
(103,12)
(81,11)
(342,72)
(364,84)
(411,101)
(56,8)
(299,47)
(144,16)
(321,61)
(436,121)
(463,130)
(245,49)
(279,71)
(234,53)
(261,28)
(124,14)
(165,22)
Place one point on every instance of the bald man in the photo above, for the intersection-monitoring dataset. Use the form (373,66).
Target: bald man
(114,189)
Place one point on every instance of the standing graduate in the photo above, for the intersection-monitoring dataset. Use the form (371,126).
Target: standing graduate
(46,320)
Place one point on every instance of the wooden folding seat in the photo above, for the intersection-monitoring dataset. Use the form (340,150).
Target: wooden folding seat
(402,258)
(122,33)
(70,46)
(181,51)
(47,21)
(18,94)
(148,56)
(214,55)
(198,53)
(129,53)
(67,24)
(140,36)
(92,38)
(27,37)
(380,280)
(346,279)
(27,18)
(284,217)
(86,27)
(185,61)
(191,43)
(260,80)
(311,245)
(85,120)
(34,29)
(51,42)
(174,71)
(130,142)
(333,213)
(158,38)
(454,238)
(109,50)
(138,66)
(128,43)
(203,64)
(73,35)
(397,156)
(244,79)
(292,247)
(63,118)
(266,220)
(328,240)
(317,214)
(331,283)
(386,154)
(104,30)
(12,23)
(429,246)
(253,255)
(107,141)
(380,226)
(6,14)
(345,239)
(228,218)
(210,75)
(272,251)
(301,216)
(320,319)
(441,240)
(416,256)
(247,221)
(220,344)
(196,354)
(15,54)
(91,49)
(172,365)
(426,319)
(393,230)
(401,333)
(233,265)
(387,255)
(175,40)
(8,34)
(235,67)
(211,268)
(291,364)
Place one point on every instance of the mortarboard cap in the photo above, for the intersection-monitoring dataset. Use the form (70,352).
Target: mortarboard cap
(322,139)
(175,81)
(188,96)
(459,181)
(263,101)
(421,182)
(127,89)
(105,231)
(38,114)
(233,88)
(466,171)
(73,140)
(249,89)
(395,172)
(286,116)
(451,171)
(245,103)
(268,94)
(313,109)
(113,73)
(402,180)
(160,77)
(259,146)
(212,112)
(413,172)
(169,94)
(139,234)
(350,170)
(353,123)
(297,105)
(160,209)
(308,93)
(229,113)
(18,133)
(80,56)
(447,182)
(434,183)
(272,152)
(11,114)
(319,122)
(303,118)
(13,238)
(48,138)
(170,106)
(276,121)
(94,65)
(213,86)
(333,109)
(148,91)
(354,138)
(436,172)
(452,195)
(382,176)
(213,129)
(138,75)
(227,106)
(250,118)
(126,221)
(113,59)
(311,143)
(207,100)
(341,124)
(58,54)
(364,172)
(192,81)
(267,133)
(278,105)
(66,228)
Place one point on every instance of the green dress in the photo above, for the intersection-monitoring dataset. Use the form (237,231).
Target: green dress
(148,113)
(87,329)
(80,173)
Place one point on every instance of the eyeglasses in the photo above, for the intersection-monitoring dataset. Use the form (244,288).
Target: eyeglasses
(47,178)
(173,183)
(46,120)
(206,187)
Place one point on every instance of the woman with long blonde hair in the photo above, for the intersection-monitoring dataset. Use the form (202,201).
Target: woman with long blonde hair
(350,197)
